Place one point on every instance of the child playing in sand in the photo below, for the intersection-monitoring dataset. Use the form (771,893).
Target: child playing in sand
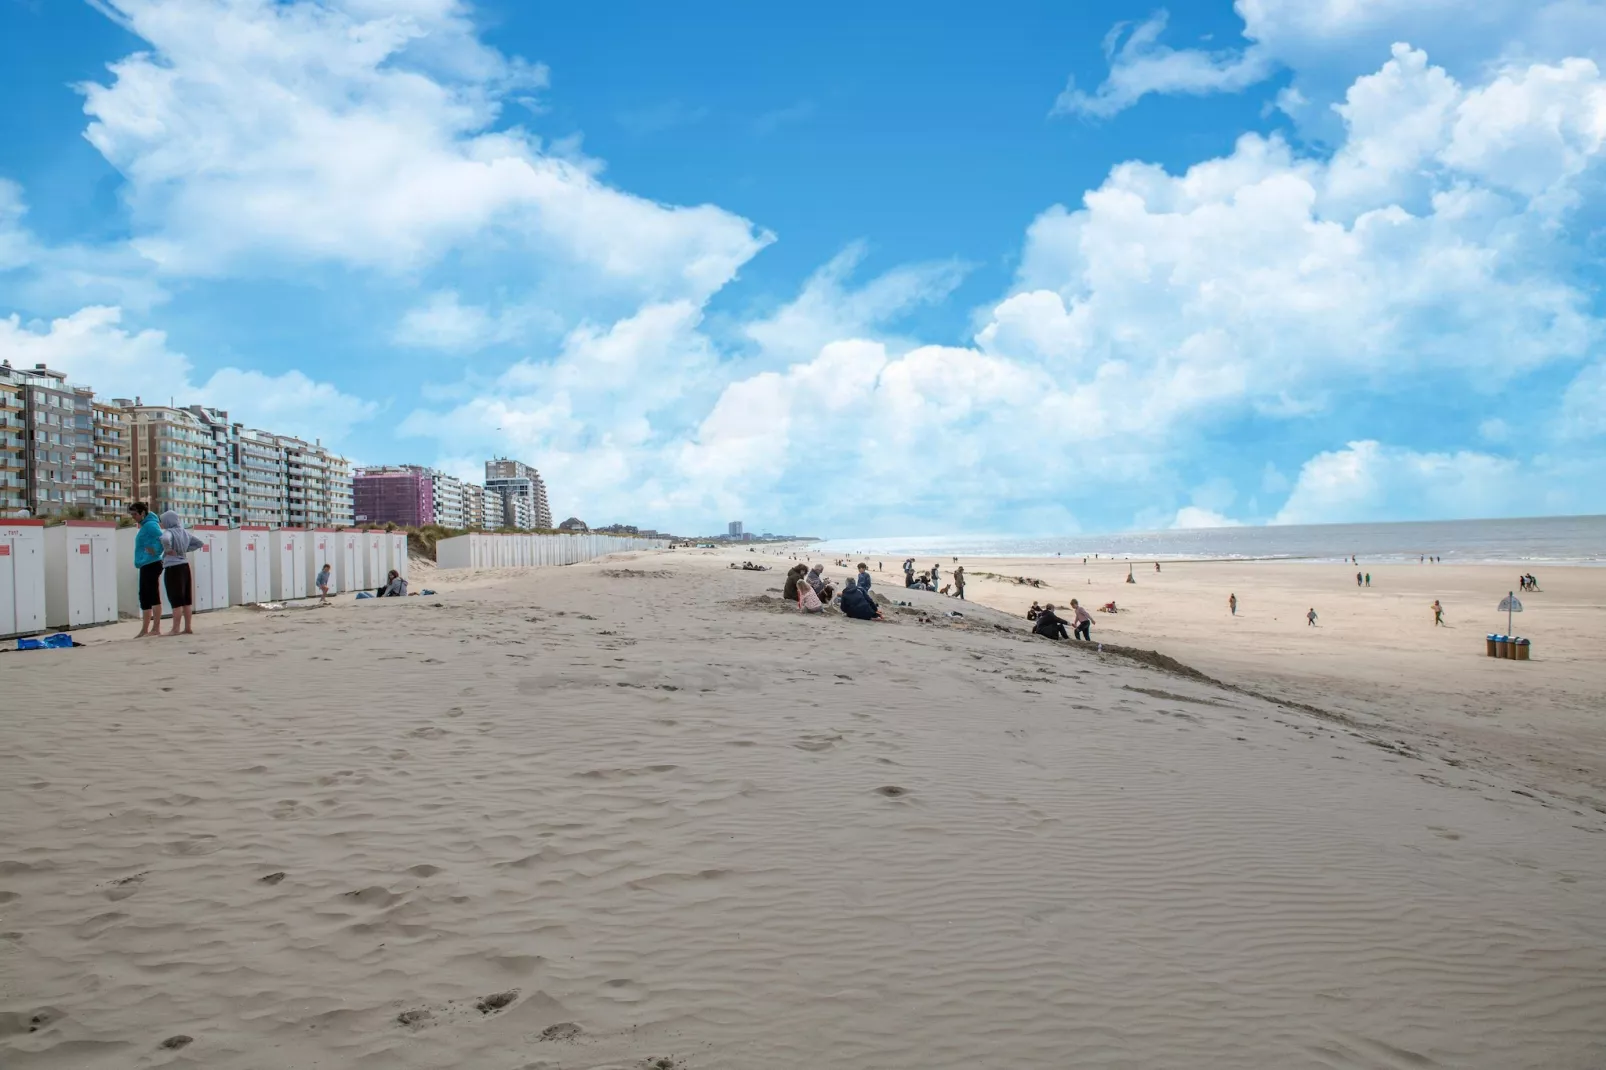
(323,581)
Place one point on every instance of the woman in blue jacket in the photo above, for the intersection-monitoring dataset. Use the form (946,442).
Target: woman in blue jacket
(148,562)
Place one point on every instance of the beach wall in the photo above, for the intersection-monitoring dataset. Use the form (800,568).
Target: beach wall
(481,550)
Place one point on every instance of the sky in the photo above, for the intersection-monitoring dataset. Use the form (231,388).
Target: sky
(1049,269)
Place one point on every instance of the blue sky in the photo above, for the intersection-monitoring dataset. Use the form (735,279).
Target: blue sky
(1063,268)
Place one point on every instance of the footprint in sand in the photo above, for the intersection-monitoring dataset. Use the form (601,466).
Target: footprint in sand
(428,732)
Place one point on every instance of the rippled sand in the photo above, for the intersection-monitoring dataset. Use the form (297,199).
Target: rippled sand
(571,819)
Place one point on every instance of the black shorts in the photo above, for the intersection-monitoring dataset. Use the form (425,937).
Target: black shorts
(150,585)
(177,580)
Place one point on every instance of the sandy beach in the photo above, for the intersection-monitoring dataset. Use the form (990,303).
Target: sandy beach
(640,813)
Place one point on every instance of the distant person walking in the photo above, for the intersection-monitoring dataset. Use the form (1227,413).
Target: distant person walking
(1232,604)
(148,560)
(1438,614)
(1357,579)
(1081,622)
(1368,579)
(959,582)
(1310,618)
(176,546)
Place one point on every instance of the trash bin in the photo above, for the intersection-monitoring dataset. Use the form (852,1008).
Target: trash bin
(1489,645)
(1502,646)
(1522,649)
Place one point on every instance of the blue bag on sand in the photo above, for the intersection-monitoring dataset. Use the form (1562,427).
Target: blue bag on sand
(365,594)
(426,590)
(59,641)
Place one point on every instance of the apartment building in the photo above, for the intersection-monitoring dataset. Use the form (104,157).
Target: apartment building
(402,494)
(261,488)
(58,448)
(13,445)
(176,463)
(319,490)
(451,499)
(523,493)
(112,430)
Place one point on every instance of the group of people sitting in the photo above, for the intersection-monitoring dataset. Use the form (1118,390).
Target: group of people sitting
(751,566)
(812,592)
(1527,582)
(1052,625)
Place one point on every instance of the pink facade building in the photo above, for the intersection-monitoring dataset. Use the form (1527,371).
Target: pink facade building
(394,494)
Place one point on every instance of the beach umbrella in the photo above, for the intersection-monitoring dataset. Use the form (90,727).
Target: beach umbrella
(1508,606)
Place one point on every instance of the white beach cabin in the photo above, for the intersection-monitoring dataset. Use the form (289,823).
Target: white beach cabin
(248,559)
(321,546)
(348,556)
(288,561)
(398,553)
(22,577)
(373,551)
(209,569)
(80,574)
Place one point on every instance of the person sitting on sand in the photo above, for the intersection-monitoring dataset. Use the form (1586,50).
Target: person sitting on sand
(793,575)
(1049,624)
(858,604)
(807,600)
(1081,622)
(816,579)
(1035,612)
(395,586)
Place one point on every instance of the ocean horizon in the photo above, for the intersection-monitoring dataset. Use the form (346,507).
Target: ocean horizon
(1558,540)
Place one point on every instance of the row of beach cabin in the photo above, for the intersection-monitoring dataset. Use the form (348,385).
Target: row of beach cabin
(82,572)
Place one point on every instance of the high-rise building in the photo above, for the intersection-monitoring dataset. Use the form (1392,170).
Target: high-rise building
(261,489)
(13,444)
(451,499)
(523,492)
(58,449)
(112,435)
(735,529)
(400,494)
(174,461)
(319,489)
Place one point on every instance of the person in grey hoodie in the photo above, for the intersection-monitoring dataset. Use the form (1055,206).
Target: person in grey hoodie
(176,546)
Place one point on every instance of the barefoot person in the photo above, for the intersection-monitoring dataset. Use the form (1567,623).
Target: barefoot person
(148,560)
(1310,618)
(1232,604)
(1081,622)
(1438,614)
(325,579)
(176,546)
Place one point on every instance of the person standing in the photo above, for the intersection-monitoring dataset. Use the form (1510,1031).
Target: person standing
(935,583)
(959,582)
(1357,579)
(1081,622)
(176,546)
(1438,614)
(1232,604)
(325,578)
(148,561)
(864,577)
(1368,579)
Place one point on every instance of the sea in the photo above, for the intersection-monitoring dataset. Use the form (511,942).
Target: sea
(1556,540)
